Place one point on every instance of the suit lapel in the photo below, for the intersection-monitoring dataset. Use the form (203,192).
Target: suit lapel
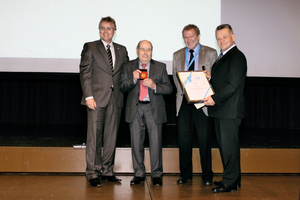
(152,70)
(182,60)
(117,67)
(136,66)
(216,64)
(153,73)
(201,58)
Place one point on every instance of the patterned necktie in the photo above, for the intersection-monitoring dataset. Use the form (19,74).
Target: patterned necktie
(110,58)
(143,89)
(220,56)
(192,66)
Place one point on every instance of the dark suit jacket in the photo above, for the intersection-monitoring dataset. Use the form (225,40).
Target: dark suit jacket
(228,78)
(159,75)
(96,76)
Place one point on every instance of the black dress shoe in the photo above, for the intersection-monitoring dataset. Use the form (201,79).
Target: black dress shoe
(183,180)
(223,188)
(111,178)
(219,183)
(95,182)
(137,180)
(207,182)
(157,181)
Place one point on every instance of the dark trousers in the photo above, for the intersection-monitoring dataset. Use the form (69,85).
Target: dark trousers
(142,120)
(102,129)
(227,133)
(189,118)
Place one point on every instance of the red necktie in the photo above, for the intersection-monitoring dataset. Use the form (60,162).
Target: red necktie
(143,89)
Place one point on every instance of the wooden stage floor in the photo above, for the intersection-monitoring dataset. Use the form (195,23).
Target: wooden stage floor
(75,186)
(61,186)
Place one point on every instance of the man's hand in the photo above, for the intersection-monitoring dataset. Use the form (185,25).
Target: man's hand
(148,82)
(136,74)
(91,103)
(207,74)
(208,101)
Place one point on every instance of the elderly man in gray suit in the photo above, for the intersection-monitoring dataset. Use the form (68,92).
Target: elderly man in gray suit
(192,57)
(145,108)
(100,70)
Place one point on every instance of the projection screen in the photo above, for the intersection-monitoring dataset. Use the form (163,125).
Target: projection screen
(48,36)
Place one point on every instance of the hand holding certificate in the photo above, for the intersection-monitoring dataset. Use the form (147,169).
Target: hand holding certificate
(195,85)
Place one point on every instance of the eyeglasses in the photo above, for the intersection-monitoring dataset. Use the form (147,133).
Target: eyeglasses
(107,28)
(145,50)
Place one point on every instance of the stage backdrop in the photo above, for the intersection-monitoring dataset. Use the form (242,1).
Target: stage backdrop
(41,42)
(48,35)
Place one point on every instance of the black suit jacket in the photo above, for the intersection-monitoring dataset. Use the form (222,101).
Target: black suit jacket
(228,78)
(159,75)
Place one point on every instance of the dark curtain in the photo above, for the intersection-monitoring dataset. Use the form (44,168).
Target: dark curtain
(272,103)
(54,98)
(41,98)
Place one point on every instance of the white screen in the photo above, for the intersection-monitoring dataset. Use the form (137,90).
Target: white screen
(48,35)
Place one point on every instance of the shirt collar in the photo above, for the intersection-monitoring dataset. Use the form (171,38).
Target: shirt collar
(228,49)
(147,65)
(105,44)
(195,49)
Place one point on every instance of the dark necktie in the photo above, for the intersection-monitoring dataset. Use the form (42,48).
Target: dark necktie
(143,89)
(192,66)
(220,56)
(110,58)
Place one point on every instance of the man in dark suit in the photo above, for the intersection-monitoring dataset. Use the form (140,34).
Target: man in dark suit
(100,70)
(188,115)
(145,108)
(226,106)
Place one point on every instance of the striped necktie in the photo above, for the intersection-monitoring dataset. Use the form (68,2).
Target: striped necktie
(110,58)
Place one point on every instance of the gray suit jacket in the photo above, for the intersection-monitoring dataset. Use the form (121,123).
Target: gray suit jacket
(158,74)
(207,57)
(96,76)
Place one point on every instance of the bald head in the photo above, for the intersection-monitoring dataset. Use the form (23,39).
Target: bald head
(144,51)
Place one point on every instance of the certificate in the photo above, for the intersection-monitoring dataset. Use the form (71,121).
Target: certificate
(195,85)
